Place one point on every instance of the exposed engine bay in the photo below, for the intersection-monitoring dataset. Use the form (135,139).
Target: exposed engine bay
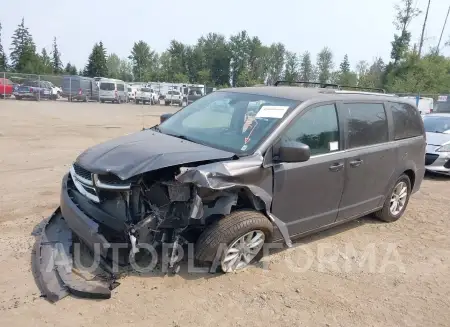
(151,209)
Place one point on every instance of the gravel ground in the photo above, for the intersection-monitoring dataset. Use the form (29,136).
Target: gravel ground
(398,275)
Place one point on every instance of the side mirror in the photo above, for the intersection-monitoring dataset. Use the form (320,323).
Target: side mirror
(292,151)
(164,117)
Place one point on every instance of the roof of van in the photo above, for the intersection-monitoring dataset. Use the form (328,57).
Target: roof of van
(304,93)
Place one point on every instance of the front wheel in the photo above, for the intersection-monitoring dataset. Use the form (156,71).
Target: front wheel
(235,241)
(396,201)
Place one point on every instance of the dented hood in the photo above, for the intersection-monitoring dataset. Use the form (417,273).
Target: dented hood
(144,151)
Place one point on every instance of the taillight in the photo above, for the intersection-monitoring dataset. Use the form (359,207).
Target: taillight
(115,92)
(31,89)
(80,92)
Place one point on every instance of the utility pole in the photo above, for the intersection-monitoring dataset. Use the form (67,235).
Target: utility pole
(443,28)
(423,29)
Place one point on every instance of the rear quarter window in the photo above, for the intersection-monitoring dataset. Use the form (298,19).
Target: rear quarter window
(407,121)
(120,87)
(367,124)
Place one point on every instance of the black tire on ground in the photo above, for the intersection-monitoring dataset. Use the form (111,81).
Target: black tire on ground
(227,230)
(385,213)
(18,98)
(136,101)
(102,101)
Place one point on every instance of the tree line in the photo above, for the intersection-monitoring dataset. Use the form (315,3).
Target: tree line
(243,60)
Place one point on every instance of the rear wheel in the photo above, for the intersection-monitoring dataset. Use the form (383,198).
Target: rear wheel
(396,201)
(239,237)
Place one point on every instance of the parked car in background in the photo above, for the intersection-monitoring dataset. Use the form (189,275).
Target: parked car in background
(193,95)
(173,97)
(36,90)
(112,90)
(131,93)
(56,91)
(437,157)
(146,95)
(79,88)
(6,88)
(443,104)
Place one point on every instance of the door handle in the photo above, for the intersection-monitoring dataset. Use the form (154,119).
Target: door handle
(356,163)
(336,166)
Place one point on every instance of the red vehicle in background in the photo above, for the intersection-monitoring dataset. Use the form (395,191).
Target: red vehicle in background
(6,88)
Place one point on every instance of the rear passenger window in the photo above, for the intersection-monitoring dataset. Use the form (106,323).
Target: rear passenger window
(318,128)
(407,121)
(120,87)
(367,124)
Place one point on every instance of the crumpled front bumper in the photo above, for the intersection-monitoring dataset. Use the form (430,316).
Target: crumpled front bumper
(53,263)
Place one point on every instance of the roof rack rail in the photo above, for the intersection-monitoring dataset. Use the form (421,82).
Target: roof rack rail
(321,85)
(380,90)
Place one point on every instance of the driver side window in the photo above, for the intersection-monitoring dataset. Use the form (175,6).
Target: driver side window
(318,128)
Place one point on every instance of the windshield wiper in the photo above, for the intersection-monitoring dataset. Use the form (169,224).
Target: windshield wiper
(183,137)
(156,128)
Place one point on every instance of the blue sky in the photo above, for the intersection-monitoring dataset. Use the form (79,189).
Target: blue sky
(361,28)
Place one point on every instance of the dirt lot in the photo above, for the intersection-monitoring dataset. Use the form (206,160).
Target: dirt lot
(38,142)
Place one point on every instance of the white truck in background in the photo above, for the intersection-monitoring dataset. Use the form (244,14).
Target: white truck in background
(425,105)
(146,95)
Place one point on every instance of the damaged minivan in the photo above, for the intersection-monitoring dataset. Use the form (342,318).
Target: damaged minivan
(235,170)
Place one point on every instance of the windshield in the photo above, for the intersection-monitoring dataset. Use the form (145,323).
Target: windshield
(107,86)
(236,122)
(436,124)
(145,90)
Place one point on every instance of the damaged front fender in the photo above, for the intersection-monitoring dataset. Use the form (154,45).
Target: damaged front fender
(246,173)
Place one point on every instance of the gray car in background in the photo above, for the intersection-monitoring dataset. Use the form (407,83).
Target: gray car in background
(437,127)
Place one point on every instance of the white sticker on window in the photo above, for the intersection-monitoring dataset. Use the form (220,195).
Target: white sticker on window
(334,146)
(442,98)
(244,147)
(272,112)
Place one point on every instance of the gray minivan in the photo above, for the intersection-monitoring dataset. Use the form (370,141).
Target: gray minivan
(279,163)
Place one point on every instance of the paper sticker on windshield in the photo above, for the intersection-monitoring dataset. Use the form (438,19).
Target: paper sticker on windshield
(272,112)
(333,146)
(442,98)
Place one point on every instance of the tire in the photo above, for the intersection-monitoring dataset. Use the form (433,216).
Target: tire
(18,98)
(229,229)
(386,214)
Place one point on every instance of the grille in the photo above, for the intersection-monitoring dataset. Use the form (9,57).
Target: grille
(112,180)
(430,158)
(80,171)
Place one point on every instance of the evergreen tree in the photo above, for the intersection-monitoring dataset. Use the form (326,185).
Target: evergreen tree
(306,68)
(45,63)
(70,69)
(23,51)
(56,58)
(324,65)
(96,65)
(345,65)
(3,59)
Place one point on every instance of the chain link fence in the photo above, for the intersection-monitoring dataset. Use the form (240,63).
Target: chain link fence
(79,88)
